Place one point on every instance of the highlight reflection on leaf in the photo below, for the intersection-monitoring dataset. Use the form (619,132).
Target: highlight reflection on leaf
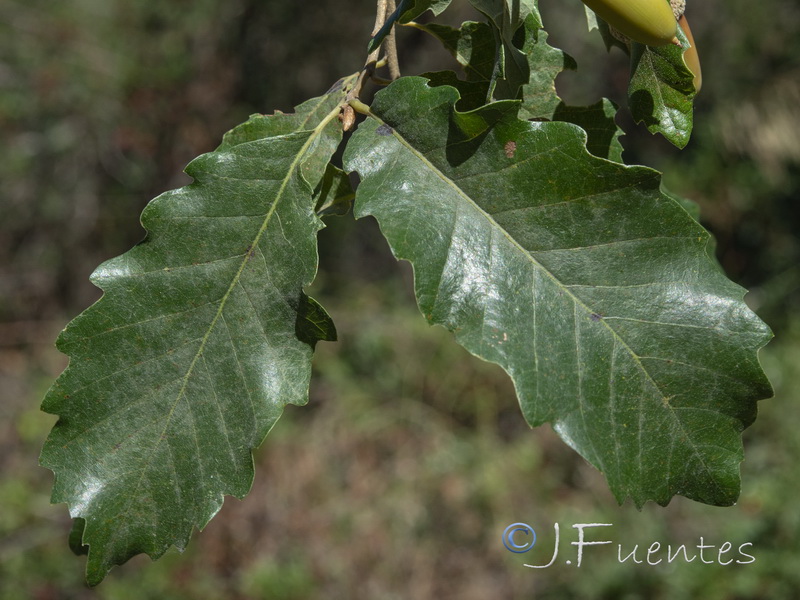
(590,287)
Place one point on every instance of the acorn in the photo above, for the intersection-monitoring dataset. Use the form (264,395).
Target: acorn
(649,22)
(690,56)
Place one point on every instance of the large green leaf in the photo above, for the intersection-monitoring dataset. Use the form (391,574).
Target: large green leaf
(202,336)
(591,288)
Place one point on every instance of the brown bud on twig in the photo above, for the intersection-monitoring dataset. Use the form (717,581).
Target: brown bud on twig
(347,116)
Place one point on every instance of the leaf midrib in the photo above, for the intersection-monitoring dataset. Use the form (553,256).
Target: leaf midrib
(449,182)
(223,301)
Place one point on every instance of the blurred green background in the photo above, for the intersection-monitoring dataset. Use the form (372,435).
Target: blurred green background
(399,477)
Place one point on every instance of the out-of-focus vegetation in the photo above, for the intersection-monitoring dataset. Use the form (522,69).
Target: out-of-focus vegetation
(399,477)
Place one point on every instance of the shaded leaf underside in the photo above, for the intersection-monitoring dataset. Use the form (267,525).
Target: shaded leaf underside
(582,280)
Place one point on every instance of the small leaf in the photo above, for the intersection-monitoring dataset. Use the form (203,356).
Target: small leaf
(473,46)
(661,90)
(539,97)
(418,7)
(582,280)
(202,336)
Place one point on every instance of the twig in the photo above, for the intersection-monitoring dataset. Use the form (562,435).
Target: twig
(369,66)
(390,46)
(380,18)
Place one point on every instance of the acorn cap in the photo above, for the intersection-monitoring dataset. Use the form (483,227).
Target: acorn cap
(678,7)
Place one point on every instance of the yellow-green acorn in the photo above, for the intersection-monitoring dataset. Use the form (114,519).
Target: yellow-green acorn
(649,22)
(690,56)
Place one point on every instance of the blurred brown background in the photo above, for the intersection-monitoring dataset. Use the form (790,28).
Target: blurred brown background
(399,477)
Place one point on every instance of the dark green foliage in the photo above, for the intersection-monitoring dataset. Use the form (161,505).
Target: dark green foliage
(610,332)
(202,335)
(592,288)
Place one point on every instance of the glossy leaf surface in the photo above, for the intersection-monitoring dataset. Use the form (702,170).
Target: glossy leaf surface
(661,91)
(591,288)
